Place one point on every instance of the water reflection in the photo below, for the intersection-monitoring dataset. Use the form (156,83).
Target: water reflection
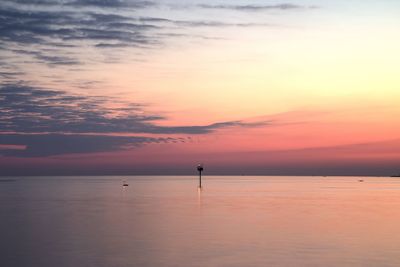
(199,192)
(235,221)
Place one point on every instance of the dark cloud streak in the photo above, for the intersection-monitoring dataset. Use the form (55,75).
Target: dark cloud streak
(30,109)
(50,122)
(285,6)
(44,145)
(86,3)
(111,3)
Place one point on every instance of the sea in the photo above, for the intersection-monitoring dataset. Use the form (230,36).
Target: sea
(233,221)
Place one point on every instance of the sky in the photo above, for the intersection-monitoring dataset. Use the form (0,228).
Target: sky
(104,87)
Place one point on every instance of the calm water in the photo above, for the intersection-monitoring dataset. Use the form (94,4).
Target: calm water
(234,221)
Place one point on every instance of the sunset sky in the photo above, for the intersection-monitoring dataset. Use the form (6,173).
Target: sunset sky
(297,87)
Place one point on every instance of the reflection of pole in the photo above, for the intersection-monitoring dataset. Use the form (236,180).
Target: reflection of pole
(199,196)
(200,179)
(200,169)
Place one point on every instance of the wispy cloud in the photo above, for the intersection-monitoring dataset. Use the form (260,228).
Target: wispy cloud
(48,27)
(53,32)
(48,56)
(112,3)
(86,3)
(253,7)
(50,122)
(33,110)
(213,23)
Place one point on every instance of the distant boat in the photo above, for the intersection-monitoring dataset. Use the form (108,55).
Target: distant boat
(125,184)
(361,180)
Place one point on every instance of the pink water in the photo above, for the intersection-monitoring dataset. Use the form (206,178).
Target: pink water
(234,221)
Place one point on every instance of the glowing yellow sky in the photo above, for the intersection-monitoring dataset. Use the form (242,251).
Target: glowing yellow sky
(326,67)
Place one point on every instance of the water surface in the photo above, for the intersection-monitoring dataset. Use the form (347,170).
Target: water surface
(165,221)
